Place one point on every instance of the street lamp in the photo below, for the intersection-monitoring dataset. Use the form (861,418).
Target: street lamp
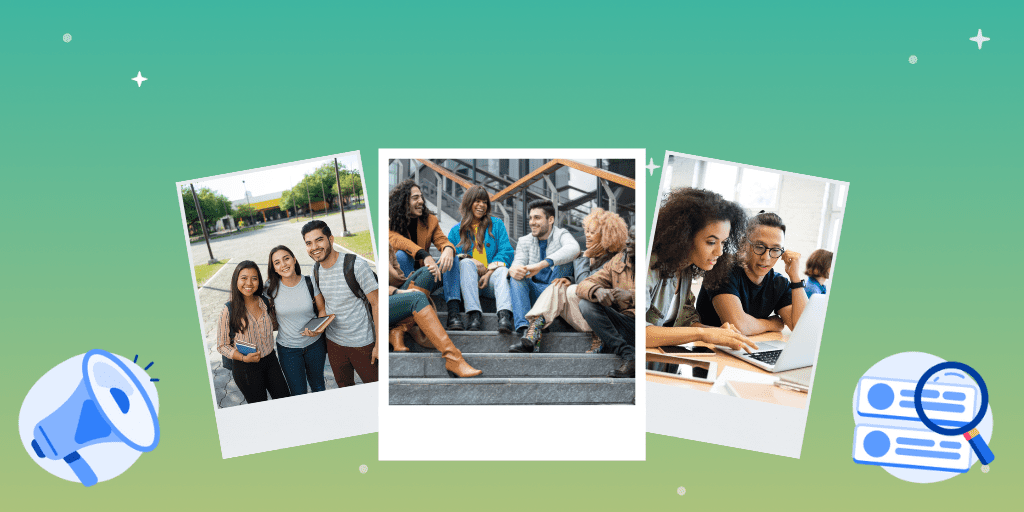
(309,202)
(341,204)
(247,198)
(202,224)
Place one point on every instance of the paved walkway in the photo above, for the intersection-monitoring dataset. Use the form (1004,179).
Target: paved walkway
(254,246)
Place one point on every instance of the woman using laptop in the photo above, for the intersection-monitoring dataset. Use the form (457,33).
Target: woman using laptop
(697,234)
(245,333)
(295,300)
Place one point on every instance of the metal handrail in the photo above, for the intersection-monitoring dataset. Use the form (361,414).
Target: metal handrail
(445,172)
(553,166)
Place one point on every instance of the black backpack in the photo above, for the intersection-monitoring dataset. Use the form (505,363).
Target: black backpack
(349,265)
(226,361)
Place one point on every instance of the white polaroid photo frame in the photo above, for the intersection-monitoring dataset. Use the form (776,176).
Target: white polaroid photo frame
(297,420)
(719,419)
(514,432)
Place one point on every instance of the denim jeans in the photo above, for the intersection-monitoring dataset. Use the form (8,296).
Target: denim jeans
(526,291)
(497,287)
(616,330)
(451,291)
(304,364)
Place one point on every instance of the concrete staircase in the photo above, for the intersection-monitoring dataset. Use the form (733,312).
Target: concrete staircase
(559,373)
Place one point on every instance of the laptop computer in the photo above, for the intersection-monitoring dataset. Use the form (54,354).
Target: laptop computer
(799,351)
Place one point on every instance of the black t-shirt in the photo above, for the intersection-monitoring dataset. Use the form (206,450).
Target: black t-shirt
(758,301)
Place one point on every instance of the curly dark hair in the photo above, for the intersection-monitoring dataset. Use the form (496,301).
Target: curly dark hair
(398,208)
(684,212)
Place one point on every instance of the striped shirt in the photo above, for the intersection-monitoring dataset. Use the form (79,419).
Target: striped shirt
(351,327)
(258,333)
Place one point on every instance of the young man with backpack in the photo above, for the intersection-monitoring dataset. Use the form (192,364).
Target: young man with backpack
(349,288)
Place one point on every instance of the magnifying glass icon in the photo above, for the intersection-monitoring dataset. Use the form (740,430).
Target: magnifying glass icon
(969,431)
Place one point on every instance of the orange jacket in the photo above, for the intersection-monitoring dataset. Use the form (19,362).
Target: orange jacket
(431,232)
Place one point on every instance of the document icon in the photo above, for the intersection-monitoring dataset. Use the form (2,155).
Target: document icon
(946,404)
(910,448)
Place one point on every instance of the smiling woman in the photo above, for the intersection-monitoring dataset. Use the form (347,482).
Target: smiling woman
(246,335)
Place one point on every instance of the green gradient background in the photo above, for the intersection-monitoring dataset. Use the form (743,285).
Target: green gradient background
(93,235)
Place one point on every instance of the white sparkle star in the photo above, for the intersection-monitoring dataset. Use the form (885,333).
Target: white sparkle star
(139,79)
(979,39)
(651,167)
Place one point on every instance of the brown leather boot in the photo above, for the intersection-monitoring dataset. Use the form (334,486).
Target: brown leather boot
(595,344)
(426,318)
(396,336)
(418,337)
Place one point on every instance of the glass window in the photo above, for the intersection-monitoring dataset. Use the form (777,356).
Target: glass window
(759,189)
(840,196)
(721,178)
(836,226)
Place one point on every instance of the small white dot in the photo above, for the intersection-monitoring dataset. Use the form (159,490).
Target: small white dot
(363,469)
(67,38)
(681,491)
(913,59)
(984,469)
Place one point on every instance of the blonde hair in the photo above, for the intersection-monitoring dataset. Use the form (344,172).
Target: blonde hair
(613,230)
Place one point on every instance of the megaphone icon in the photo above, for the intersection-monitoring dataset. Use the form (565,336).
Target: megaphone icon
(109,406)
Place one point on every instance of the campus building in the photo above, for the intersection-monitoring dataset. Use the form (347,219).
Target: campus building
(573,186)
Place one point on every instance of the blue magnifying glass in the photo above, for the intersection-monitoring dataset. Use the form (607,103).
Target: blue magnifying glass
(969,431)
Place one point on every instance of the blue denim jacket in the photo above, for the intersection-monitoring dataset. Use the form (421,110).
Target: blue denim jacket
(496,243)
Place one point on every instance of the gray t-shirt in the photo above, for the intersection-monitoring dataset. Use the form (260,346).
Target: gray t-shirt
(294,308)
(351,327)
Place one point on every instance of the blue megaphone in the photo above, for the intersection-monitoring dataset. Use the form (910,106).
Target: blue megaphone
(109,406)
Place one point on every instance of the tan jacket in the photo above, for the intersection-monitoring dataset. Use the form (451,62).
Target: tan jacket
(425,235)
(617,273)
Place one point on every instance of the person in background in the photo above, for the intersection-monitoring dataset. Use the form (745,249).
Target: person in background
(412,228)
(541,257)
(295,300)
(247,325)
(482,242)
(606,235)
(819,268)
(696,235)
(755,298)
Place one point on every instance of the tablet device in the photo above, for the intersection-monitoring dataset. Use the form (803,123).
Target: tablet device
(689,349)
(680,368)
(316,323)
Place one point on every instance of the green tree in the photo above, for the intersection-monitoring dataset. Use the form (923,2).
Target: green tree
(245,211)
(351,184)
(287,201)
(214,205)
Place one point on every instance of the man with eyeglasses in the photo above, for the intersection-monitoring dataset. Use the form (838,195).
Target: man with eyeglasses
(756,299)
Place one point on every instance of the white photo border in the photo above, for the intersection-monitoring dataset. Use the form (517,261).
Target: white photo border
(299,420)
(490,432)
(724,420)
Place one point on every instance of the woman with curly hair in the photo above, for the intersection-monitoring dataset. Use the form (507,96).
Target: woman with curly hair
(819,266)
(411,229)
(482,242)
(606,236)
(697,234)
